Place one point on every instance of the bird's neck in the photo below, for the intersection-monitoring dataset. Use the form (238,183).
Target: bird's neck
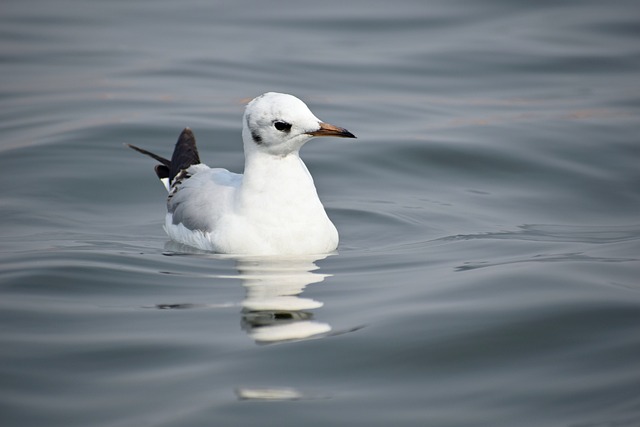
(276,174)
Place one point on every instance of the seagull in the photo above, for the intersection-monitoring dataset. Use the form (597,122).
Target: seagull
(271,209)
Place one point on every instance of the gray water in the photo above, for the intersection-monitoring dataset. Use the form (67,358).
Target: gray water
(488,268)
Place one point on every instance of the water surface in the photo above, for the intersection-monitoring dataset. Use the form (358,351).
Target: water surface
(489,259)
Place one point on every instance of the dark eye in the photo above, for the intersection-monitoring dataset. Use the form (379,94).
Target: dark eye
(282,126)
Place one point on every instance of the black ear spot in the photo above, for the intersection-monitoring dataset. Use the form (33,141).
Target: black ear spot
(282,126)
(256,137)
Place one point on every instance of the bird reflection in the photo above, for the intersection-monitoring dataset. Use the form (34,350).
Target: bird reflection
(272,310)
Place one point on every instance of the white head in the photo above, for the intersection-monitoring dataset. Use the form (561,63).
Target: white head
(279,124)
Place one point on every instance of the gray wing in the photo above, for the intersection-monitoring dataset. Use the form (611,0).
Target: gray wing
(201,196)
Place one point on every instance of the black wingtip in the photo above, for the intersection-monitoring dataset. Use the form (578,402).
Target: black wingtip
(162,171)
(185,153)
(162,160)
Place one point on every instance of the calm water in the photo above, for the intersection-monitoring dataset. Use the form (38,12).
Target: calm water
(488,272)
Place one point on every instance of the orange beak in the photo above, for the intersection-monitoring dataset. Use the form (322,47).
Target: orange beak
(330,130)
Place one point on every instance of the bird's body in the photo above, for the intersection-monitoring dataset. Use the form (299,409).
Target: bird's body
(273,208)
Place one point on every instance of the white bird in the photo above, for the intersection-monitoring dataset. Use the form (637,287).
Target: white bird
(271,209)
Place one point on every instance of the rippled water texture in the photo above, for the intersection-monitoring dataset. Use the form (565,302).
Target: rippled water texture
(488,268)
